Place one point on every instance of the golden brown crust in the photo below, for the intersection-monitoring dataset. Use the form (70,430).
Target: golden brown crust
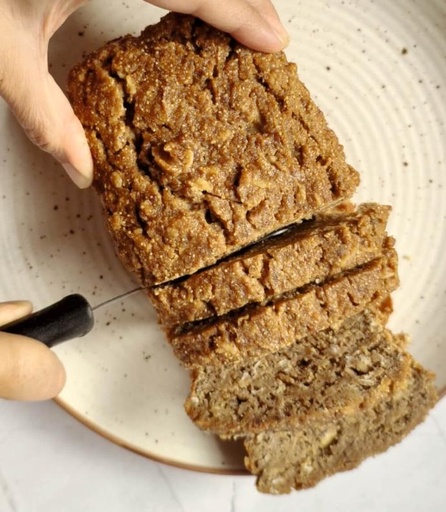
(201,146)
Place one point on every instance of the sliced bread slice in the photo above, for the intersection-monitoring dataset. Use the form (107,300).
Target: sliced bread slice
(299,458)
(333,370)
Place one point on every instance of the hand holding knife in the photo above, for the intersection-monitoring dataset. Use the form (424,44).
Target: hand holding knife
(71,317)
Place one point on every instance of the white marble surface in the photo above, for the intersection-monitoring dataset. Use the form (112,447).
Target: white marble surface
(50,462)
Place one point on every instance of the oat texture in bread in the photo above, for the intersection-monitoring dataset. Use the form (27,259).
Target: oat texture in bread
(307,253)
(201,146)
(300,458)
(335,371)
(258,330)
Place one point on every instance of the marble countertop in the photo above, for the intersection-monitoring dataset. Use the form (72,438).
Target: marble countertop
(50,462)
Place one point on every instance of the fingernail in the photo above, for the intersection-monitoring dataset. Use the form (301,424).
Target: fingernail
(15,303)
(78,178)
(281,34)
(279,30)
(11,310)
(17,306)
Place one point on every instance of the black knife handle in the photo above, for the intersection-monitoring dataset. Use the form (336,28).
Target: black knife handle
(71,317)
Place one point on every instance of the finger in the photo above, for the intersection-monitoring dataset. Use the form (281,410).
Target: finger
(44,112)
(50,123)
(46,15)
(250,22)
(28,369)
(269,12)
(55,13)
(13,310)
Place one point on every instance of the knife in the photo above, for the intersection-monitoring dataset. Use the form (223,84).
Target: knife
(70,317)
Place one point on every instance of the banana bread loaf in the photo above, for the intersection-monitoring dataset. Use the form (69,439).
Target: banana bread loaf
(202,150)
(201,146)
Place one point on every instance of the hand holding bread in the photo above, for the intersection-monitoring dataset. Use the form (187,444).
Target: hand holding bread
(40,106)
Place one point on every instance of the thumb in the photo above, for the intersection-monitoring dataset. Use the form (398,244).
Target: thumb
(46,115)
(28,369)
(50,123)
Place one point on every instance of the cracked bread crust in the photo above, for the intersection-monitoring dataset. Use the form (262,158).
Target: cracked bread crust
(258,330)
(331,372)
(300,458)
(201,146)
(307,253)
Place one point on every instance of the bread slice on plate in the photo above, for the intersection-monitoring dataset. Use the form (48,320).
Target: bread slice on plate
(333,370)
(300,458)
(309,252)
(201,146)
(320,406)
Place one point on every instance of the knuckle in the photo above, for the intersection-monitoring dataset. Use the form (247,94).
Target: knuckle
(39,133)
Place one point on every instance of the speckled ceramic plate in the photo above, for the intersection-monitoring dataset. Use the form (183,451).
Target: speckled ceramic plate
(377,69)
